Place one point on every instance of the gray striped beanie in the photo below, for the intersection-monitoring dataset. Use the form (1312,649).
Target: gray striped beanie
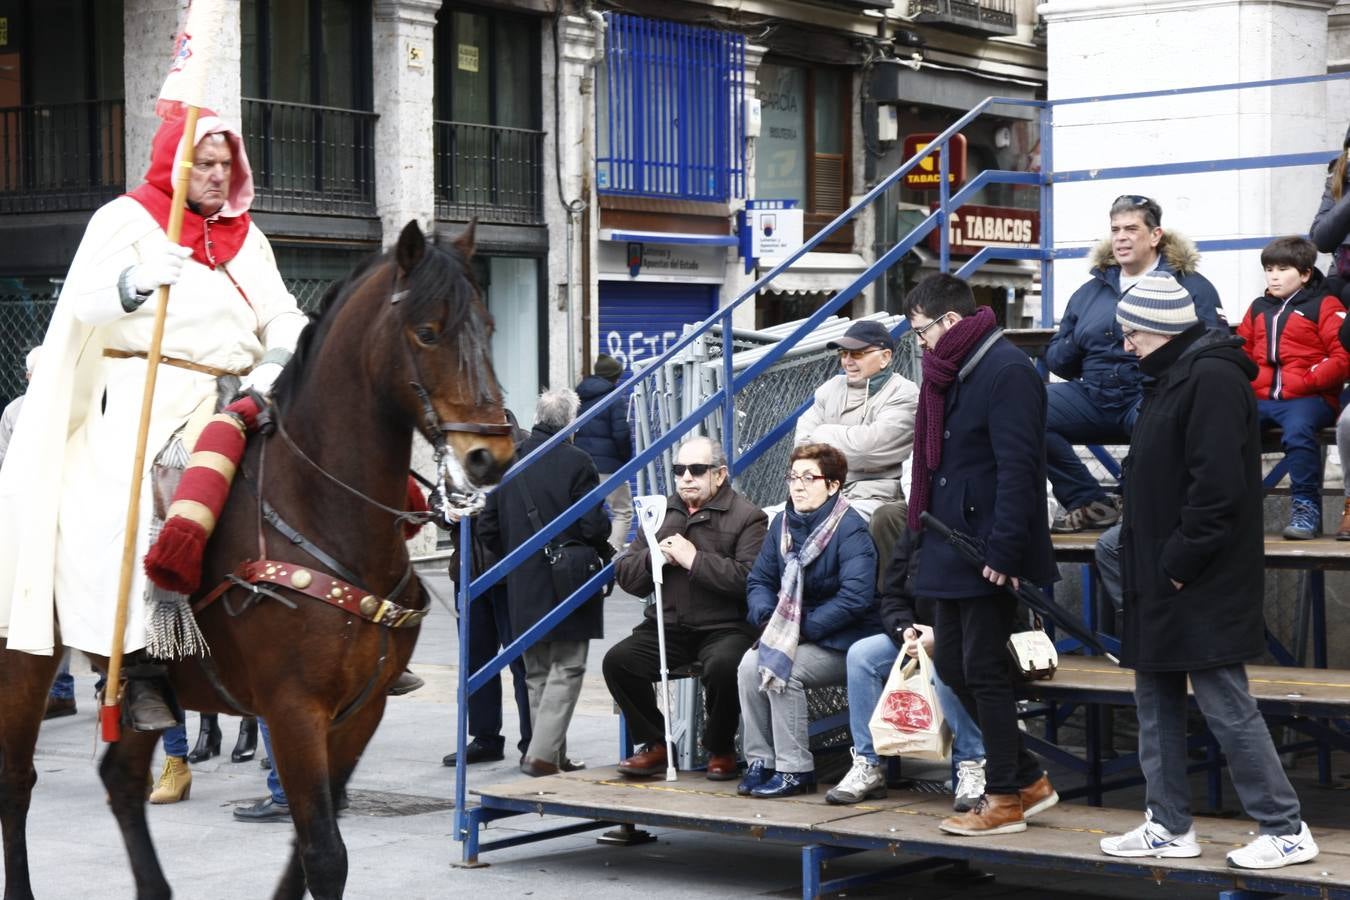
(1157,304)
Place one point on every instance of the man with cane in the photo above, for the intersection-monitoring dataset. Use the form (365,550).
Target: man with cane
(98,411)
(708,542)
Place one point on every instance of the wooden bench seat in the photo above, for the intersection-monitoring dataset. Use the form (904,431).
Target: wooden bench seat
(1324,553)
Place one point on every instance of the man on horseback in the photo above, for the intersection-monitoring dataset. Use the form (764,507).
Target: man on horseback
(65,479)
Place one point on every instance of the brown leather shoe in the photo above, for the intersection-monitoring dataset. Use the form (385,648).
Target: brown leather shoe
(650,760)
(1038,796)
(994,814)
(537,768)
(1343,532)
(722,767)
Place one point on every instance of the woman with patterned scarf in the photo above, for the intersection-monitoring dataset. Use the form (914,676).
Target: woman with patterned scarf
(811,593)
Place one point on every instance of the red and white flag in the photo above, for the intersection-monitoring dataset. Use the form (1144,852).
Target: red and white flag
(193,48)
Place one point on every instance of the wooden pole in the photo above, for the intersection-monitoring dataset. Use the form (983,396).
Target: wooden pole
(110,715)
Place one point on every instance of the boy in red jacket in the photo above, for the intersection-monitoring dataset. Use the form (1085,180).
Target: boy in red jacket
(1291,335)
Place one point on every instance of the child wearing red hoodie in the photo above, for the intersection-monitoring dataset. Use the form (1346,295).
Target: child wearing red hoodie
(1291,335)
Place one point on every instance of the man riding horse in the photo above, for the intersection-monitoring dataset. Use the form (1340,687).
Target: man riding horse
(66,476)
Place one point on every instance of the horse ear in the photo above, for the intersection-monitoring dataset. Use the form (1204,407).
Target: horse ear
(412,246)
(464,243)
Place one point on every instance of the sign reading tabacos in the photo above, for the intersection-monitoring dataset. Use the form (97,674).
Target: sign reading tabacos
(972,227)
(926,175)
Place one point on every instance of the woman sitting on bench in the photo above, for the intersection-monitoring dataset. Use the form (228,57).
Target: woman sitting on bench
(811,594)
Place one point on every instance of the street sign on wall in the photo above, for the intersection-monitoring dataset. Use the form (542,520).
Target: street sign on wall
(926,175)
(973,227)
(775,228)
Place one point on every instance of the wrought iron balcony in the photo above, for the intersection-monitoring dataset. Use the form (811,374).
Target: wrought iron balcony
(492,173)
(61,156)
(982,18)
(311,159)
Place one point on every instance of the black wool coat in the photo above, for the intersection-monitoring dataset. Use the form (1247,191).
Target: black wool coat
(1193,510)
(560,478)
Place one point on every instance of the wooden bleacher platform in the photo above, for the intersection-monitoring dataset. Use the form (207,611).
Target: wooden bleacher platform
(905,825)
(1324,553)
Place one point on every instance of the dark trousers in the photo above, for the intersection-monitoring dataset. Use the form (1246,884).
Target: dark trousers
(1071,418)
(971,652)
(1299,420)
(489,631)
(634,663)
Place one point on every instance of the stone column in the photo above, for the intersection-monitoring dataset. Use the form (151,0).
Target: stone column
(150,27)
(404,94)
(1100,48)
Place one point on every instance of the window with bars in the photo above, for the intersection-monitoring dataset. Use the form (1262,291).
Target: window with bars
(671,111)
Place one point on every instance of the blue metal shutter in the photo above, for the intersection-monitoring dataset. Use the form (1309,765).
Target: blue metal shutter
(641,319)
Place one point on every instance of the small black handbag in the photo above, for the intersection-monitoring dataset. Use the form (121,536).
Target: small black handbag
(571,563)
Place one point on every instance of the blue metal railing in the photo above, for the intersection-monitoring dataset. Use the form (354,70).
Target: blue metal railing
(672,113)
(469,589)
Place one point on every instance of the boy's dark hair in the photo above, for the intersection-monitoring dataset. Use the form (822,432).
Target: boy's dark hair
(1293,251)
(938,294)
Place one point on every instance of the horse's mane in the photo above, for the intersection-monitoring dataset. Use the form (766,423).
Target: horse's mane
(423,288)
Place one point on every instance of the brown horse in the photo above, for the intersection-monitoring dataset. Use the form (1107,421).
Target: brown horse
(401,345)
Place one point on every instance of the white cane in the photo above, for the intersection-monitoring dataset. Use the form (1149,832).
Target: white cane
(651,511)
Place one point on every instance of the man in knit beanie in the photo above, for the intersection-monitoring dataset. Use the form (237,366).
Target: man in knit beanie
(1192,561)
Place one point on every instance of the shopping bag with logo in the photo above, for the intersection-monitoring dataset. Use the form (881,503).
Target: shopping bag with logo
(908,720)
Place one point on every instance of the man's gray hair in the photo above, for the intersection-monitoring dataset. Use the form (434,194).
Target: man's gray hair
(557,408)
(716,455)
(1140,204)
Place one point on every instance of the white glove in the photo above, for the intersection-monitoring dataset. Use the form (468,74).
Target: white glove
(161,266)
(261,378)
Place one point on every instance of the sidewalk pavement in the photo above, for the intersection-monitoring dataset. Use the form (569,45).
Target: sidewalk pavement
(398,830)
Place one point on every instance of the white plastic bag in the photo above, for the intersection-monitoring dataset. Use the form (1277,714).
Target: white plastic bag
(908,720)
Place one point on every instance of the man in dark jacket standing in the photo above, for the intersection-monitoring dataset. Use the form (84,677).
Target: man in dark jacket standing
(1193,567)
(709,540)
(555,664)
(979,466)
(609,441)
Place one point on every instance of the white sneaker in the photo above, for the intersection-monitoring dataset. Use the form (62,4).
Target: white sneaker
(1151,839)
(1271,851)
(864,781)
(969,785)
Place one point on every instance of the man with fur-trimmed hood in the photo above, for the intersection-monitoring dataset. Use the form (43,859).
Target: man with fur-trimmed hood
(1099,399)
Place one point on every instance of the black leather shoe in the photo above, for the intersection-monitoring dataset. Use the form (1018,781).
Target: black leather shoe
(786,784)
(59,707)
(208,740)
(476,752)
(247,743)
(406,683)
(265,810)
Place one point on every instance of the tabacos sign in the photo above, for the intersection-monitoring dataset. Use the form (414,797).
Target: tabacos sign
(973,227)
(928,173)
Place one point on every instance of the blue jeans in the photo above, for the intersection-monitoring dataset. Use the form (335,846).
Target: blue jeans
(64,686)
(869,665)
(1299,419)
(1072,417)
(175,741)
(273,779)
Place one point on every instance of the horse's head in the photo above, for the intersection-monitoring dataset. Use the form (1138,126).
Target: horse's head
(444,332)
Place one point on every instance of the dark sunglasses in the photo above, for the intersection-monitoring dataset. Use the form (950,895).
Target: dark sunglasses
(1139,201)
(698,470)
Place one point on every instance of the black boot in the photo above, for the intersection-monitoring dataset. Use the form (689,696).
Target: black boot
(149,704)
(208,739)
(247,744)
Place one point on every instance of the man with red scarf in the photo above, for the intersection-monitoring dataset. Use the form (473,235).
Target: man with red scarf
(979,467)
(64,484)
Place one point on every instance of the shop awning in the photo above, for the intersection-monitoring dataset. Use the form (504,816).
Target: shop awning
(816,273)
(669,237)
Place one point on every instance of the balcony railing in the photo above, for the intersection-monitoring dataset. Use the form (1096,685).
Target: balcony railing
(982,18)
(311,159)
(488,172)
(61,156)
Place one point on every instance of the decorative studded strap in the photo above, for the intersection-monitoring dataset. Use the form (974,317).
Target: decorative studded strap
(321,586)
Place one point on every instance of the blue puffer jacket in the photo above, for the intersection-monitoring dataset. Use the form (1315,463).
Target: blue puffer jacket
(1089,345)
(607,437)
(837,588)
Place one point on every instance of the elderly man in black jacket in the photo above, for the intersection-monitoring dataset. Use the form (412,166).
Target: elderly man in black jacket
(709,540)
(555,664)
(1193,567)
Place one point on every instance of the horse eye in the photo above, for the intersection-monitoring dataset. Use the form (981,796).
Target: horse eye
(426,335)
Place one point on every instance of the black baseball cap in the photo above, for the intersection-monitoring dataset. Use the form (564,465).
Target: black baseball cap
(860,335)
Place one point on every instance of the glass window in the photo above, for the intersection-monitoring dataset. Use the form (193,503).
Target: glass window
(781,172)
(803,142)
(830,122)
(511,291)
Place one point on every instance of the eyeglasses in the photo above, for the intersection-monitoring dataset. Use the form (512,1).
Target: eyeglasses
(919,332)
(698,470)
(1129,333)
(858,354)
(806,478)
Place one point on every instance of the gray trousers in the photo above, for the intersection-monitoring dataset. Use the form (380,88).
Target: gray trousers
(776,724)
(1228,707)
(1107,556)
(553,673)
(1343,444)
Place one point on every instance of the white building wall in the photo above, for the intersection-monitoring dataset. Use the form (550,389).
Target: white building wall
(1106,48)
